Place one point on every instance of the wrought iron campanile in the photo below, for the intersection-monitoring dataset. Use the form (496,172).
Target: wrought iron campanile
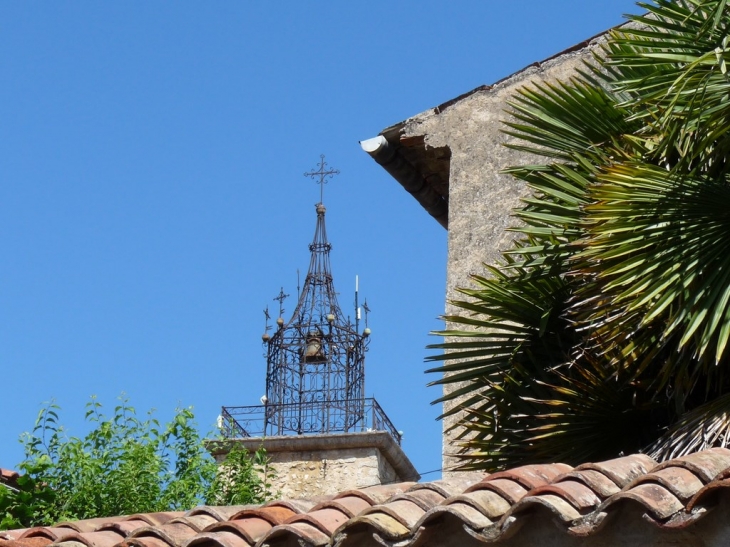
(315,359)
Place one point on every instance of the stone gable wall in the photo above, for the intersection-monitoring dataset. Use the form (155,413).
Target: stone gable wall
(481,198)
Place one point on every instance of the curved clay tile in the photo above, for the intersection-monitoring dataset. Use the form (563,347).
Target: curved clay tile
(148,541)
(622,470)
(28,542)
(509,489)
(707,495)
(50,532)
(104,538)
(274,514)
(295,534)
(532,476)
(659,502)
(218,513)
(581,497)
(124,527)
(250,529)
(557,505)
(326,520)
(295,506)
(381,493)
(88,525)
(488,502)
(425,498)
(12,534)
(595,480)
(375,524)
(680,481)
(448,488)
(707,465)
(405,512)
(350,505)
(218,539)
(172,533)
(197,522)
(155,519)
(463,512)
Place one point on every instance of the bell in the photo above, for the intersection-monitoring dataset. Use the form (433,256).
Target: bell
(313,352)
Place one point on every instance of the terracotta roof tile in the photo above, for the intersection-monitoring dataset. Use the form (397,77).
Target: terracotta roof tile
(220,538)
(583,501)
(508,489)
(489,503)
(250,529)
(622,470)
(303,534)
(273,514)
(105,538)
(156,519)
(8,476)
(28,542)
(144,542)
(532,476)
(326,520)
(555,504)
(349,505)
(173,533)
(707,465)
(659,502)
(51,532)
(679,481)
(381,524)
(463,512)
(599,483)
(88,525)
(12,534)
(403,511)
(378,494)
(580,496)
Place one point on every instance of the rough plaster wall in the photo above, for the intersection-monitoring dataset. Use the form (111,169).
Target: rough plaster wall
(309,474)
(480,197)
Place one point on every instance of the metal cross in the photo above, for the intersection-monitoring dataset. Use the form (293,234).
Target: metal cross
(367,310)
(267,328)
(281,299)
(323,175)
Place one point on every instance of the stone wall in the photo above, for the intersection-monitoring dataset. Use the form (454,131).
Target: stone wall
(309,474)
(307,466)
(480,197)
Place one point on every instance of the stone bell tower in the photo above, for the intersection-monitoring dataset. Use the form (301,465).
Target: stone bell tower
(320,431)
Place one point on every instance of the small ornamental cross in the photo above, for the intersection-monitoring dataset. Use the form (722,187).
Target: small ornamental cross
(367,310)
(323,175)
(281,297)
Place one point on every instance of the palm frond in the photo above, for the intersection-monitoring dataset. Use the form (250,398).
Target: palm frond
(657,253)
(703,427)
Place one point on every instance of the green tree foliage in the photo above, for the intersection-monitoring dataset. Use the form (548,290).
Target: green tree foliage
(605,328)
(124,465)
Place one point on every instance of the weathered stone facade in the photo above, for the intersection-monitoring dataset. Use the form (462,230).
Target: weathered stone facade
(314,465)
(451,158)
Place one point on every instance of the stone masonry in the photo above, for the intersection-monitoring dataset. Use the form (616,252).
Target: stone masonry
(469,132)
(307,466)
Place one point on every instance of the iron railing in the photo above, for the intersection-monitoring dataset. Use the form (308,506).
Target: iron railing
(305,418)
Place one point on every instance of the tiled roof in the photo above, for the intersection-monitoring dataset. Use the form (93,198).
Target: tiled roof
(8,477)
(583,501)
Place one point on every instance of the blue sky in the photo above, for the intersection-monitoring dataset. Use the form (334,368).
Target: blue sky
(152,201)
